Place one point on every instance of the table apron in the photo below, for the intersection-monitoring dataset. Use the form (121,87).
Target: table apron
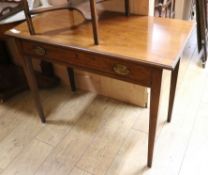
(105,65)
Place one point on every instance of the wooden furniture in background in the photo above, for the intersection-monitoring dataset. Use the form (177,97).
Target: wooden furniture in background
(8,8)
(96,83)
(29,12)
(141,60)
(12,79)
(88,11)
(165,8)
(202,28)
(84,11)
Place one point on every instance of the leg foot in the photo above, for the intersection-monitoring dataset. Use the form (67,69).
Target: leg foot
(71,78)
(31,79)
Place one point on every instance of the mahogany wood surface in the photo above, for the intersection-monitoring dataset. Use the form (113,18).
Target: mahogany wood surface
(174,75)
(142,39)
(154,105)
(134,49)
(70,72)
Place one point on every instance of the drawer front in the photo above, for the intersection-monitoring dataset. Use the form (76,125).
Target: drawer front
(47,51)
(119,69)
(104,65)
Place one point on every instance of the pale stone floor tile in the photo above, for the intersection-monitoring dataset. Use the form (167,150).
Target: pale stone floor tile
(29,160)
(77,171)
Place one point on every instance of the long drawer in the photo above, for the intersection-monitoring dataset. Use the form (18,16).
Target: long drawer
(99,63)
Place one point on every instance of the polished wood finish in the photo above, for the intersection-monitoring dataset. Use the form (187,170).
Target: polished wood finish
(70,72)
(95,21)
(93,14)
(32,82)
(91,61)
(145,50)
(84,127)
(201,16)
(154,105)
(28,14)
(141,60)
(12,79)
(127,8)
(165,8)
(174,75)
(28,17)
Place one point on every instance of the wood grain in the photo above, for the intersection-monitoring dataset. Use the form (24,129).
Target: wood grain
(186,136)
(36,152)
(130,68)
(63,118)
(101,64)
(130,158)
(142,45)
(74,144)
(100,154)
(7,124)
(91,82)
(77,171)
(15,142)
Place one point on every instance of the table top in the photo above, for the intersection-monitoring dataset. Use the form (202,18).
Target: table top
(146,40)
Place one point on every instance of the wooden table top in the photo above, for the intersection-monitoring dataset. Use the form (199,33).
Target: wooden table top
(149,40)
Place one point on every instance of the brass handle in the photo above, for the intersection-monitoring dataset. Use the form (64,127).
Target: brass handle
(120,69)
(40,51)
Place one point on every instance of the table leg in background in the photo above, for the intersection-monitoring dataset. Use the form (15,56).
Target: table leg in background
(70,72)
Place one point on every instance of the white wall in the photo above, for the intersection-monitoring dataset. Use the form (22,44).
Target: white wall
(183,8)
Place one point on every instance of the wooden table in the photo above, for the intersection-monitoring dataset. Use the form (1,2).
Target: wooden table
(11,76)
(134,49)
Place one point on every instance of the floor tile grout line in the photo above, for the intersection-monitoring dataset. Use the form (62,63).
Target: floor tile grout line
(139,130)
(38,139)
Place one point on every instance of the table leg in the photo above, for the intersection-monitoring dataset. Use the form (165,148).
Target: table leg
(174,77)
(71,78)
(94,21)
(31,79)
(127,8)
(154,107)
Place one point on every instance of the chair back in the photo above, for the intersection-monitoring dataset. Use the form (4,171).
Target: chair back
(165,8)
(29,13)
(202,27)
(93,13)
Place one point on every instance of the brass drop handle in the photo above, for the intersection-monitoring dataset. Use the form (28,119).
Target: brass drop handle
(40,51)
(120,69)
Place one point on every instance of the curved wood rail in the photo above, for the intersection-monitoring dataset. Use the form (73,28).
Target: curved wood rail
(60,7)
(86,9)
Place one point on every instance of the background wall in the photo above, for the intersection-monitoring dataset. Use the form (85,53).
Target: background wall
(183,8)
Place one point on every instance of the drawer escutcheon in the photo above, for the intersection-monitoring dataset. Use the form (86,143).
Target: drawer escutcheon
(121,69)
(40,51)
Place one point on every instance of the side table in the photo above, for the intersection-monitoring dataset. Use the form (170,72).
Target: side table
(12,77)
